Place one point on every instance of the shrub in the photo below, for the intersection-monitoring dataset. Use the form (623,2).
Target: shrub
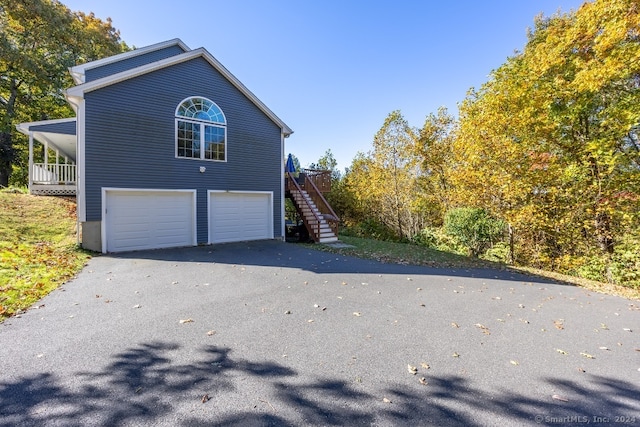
(436,238)
(474,228)
(625,263)
(498,253)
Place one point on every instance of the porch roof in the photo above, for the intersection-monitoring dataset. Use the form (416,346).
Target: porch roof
(58,134)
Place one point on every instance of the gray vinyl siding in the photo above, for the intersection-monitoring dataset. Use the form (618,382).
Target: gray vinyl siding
(128,64)
(130,140)
(65,128)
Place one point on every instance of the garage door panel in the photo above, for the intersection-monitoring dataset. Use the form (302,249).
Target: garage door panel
(148,219)
(237,217)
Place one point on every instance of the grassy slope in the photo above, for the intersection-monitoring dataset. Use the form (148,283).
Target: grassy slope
(402,253)
(38,250)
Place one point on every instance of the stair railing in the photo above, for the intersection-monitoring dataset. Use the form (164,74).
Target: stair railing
(292,186)
(321,203)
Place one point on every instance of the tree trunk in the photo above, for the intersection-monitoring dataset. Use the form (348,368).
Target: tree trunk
(6,158)
(6,141)
(604,235)
(512,251)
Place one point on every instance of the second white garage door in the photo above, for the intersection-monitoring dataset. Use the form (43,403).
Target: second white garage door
(148,219)
(240,216)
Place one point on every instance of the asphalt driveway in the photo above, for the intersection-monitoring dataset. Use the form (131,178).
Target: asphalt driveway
(271,333)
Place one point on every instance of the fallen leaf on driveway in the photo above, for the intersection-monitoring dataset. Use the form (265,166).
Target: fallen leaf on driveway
(558,324)
(189,320)
(484,329)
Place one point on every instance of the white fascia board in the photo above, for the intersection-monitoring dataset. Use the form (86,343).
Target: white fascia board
(78,72)
(79,91)
(24,127)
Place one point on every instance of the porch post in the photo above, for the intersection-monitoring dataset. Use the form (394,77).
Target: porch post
(30,160)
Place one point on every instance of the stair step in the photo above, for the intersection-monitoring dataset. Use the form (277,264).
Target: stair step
(328,239)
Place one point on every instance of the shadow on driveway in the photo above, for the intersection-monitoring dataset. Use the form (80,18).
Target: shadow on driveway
(268,253)
(144,385)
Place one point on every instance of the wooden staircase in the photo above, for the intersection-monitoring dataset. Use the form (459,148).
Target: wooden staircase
(319,218)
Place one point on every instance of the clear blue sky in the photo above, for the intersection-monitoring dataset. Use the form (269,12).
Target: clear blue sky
(334,69)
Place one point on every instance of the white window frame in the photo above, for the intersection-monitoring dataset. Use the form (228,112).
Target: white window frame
(202,124)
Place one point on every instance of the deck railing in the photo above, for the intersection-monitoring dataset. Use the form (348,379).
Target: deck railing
(47,173)
(320,178)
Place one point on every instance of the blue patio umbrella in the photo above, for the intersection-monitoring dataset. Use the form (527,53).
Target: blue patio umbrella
(289,166)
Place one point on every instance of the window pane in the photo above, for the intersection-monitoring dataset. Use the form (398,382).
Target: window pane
(188,139)
(201,109)
(214,143)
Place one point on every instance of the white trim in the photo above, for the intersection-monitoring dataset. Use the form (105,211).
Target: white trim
(30,160)
(80,90)
(80,162)
(78,72)
(209,192)
(103,222)
(201,123)
(206,99)
(282,189)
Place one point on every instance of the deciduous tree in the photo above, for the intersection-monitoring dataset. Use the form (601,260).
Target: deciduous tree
(39,40)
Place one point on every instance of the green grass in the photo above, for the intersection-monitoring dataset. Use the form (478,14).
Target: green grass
(411,254)
(38,250)
(406,253)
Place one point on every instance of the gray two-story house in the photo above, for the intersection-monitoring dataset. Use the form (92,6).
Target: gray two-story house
(167,149)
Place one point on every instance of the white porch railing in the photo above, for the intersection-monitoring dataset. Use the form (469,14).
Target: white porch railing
(43,173)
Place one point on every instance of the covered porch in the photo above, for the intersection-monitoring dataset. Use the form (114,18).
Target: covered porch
(52,170)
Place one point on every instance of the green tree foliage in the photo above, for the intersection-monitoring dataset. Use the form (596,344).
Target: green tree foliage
(39,41)
(474,228)
(433,149)
(550,142)
(384,181)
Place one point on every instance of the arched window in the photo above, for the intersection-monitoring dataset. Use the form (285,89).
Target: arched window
(201,130)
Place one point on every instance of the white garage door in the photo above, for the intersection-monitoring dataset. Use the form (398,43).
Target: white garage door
(148,219)
(236,217)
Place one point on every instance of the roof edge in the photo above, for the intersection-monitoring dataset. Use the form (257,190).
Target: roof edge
(78,71)
(81,89)
(24,127)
